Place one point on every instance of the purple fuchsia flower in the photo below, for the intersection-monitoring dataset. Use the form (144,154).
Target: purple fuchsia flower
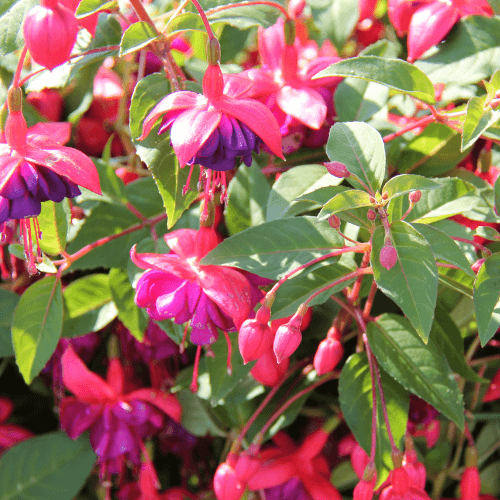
(118,421)
(10,434)
(216,128)
(36,167)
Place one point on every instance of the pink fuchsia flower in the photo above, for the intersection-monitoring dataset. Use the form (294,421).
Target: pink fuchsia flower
(36,167)
(427,22)
(176,286)
(118,421)
(50,31)
(493,392)
(10,434)
(216,128)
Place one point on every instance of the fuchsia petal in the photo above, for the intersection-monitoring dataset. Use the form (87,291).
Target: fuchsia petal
(177,101)
(167,263)
(191,130)
(319,488)
(167,403)
(8,165)
(229,289)
(11,434)
(306,105)
(474,8)
(68,162)
(182,242)
(258,118)
(85,385)
(263,83)
(271,42)
(236,85)
(428,26)
(317,65)
(76,417)
(272,473)
(59,132)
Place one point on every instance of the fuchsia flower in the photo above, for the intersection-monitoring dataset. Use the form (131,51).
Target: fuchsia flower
(428,21)
(176,286)
(118,420)
(216,128)
(280,465)
(10,434)
(35,167)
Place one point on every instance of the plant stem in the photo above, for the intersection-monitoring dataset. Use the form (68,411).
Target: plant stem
(251,2)
(142,13)
(369,301)
(204,18)
(17,74)
(483,249)
(419,123)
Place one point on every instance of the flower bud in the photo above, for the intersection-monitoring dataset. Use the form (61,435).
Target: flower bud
(372,200)
(334,221)
(246,466)
(48,102)
(415,196)
(328,356)
(364,490)
(254,339)
(385,195)
(288,336)
(388,257)
(337,169)
(371,214)
(400,481)
(50,34)
(470,484)
(226,483)
(267,371)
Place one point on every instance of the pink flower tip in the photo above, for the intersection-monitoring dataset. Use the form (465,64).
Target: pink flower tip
(254,339)
(286,341)
(388,257)
(337,169)
(328,356)
(226,483)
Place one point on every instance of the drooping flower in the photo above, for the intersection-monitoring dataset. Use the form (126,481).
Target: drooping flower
(427,22)
(10,434)
(118,420)
(216,128)
(36,167)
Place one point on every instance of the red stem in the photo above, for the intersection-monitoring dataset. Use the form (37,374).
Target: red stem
(374,401)
(369,300)
(472,242)
(17,75)
(419,123)
(251,2)
(204,18)
(142,13)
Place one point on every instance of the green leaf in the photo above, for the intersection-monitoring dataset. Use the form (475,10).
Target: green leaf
(486,298)
(48,466)
(87,7)
(287,194)
(173,330)
(322,195)
(443,247)
(196,417)
(435,151)
(455,197)
(156,151)
(497,194)
(275,248)
(356,403)
(406,183)
(186,21)
(297,289)
(245,16)
(347,200)
(87,294)
(477,120)
(123,296)
(53,220)
(446,335)
(247,198)
(394,73)
(104,221)
(12,13)
(421,369)
(143,194)
(136,37)
(412,282)
(8,302)
(360,147)
(469,54)
(37,326)
(489,233)
(456,280)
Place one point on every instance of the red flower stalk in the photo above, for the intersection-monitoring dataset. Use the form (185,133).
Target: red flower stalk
(35,167)
(118,420)
(50,31)
(10,434)
(216,128)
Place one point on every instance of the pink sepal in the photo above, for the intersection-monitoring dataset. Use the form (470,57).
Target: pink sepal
(177,101)
(428,26)
(312,445)
(11,434)
(306,105)
(59,132)
(319,488)
(271,41)
(475,8)
(68,162)
(271,474)
(85,385)
(115,376)
(190,131)
(366,8)
(8,165)
(167,403)
(182,242)
(237,85)
(319,64)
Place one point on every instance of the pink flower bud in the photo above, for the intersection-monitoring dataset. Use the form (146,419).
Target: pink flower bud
(226,483)
(328,356)
(287,339)
(254,339)
(415,196)
(337,169)
(400,481)
(371,214)
(363,490)
(334,221)
(48,102)
(470,484)
(359,460)
(477,265)
(388,257)
(267,371)
(246,466)
(50,33)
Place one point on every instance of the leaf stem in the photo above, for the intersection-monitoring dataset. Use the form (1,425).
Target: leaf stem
(17,75)
(483,249)
(419,123)
(248,3)
(373,448)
